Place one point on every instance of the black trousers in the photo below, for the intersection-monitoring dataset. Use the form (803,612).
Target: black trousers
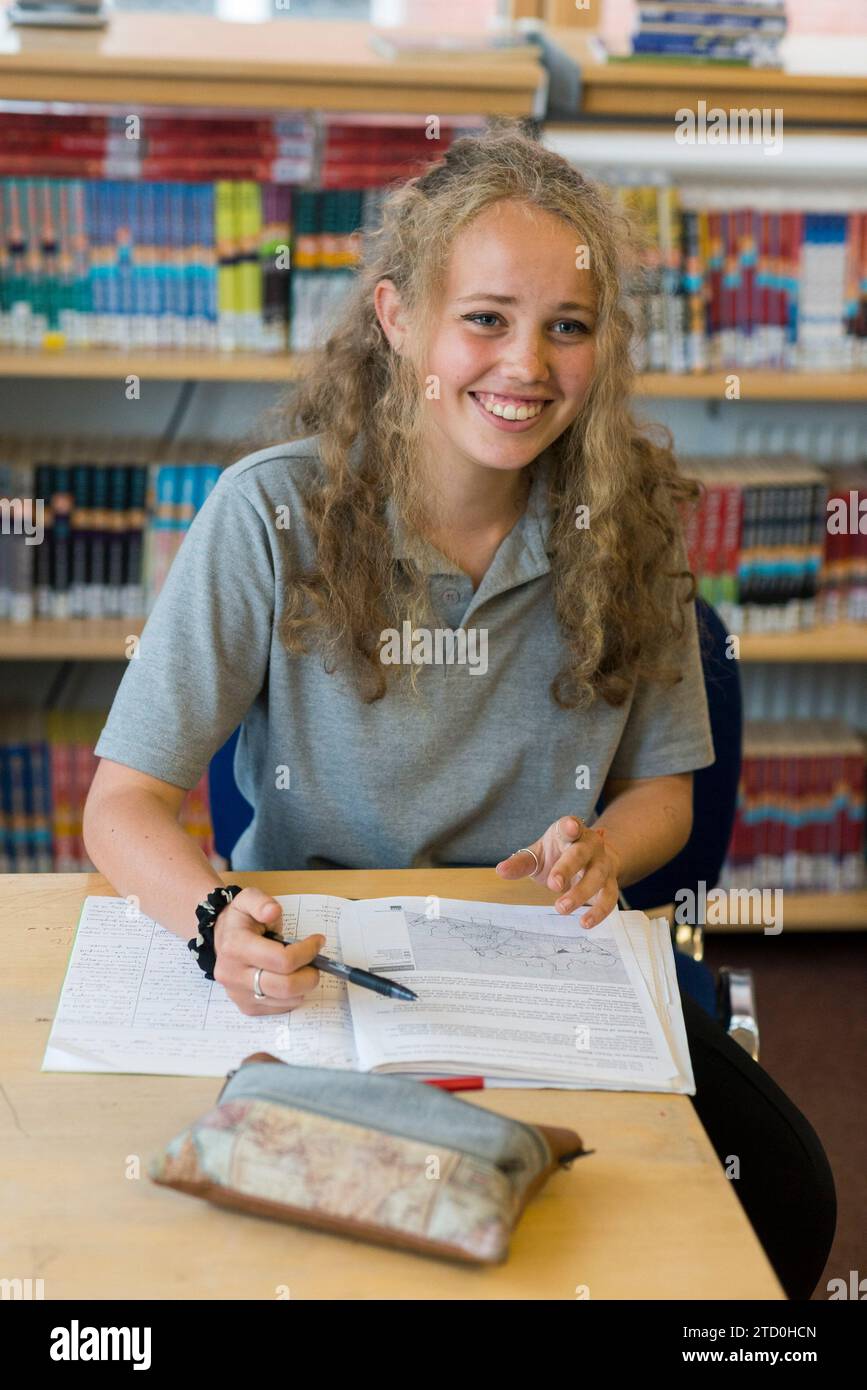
(785,1186)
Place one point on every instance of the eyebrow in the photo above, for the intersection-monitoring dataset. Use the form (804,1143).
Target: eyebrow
(509,299)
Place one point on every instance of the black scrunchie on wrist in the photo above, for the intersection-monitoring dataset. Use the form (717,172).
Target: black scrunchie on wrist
(207,912)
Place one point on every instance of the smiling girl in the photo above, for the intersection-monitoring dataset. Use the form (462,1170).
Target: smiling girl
(462,458)
(463,462)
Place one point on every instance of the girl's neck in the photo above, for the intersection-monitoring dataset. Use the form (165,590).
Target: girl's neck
(477,512)
(468,500)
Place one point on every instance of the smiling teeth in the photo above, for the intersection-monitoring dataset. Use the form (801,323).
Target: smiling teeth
(527,410)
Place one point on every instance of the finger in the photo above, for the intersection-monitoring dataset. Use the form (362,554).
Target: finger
(595,877)
(569,828)
(252,909)
(285,988)
(573,861)
(262,907)
(604,902)
(248,1004)
(522,863)
(244,946)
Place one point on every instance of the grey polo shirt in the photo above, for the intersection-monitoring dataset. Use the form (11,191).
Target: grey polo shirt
(480,765)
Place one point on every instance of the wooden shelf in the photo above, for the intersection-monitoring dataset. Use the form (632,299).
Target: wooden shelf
(169,365)
(825,911)
(846,642)
(104,639)
(756,385)
(802,912)
(657,91)
(197,61)
(73,639)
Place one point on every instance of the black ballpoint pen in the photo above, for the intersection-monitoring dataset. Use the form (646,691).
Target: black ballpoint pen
(353,974)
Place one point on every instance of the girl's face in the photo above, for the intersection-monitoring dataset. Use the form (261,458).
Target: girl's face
(513,346)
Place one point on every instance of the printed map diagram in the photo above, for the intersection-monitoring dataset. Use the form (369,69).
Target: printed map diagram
(480,947)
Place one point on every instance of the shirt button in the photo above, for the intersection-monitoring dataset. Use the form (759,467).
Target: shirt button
(451,595)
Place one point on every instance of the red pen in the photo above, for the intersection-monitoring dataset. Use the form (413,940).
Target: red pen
(458,1083)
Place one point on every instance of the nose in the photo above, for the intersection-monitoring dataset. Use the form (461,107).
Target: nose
(524,359)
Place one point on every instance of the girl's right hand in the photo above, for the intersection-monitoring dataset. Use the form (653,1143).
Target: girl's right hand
(287,976)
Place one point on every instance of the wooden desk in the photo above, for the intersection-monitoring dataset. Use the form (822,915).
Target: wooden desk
(649,1215)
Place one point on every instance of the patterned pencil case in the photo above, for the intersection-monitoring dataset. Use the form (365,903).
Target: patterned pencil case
(380,1158)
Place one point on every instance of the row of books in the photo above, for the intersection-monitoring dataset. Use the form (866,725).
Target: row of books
(800,816)
(313,149)
(90,528)
(736,277)
(93,535)
(747,32)
(46,768)
(779,544)
(722,283)
(372,152)
(730,278)
(106,263)
(799,822)
(161,265)
(328,229)
(718,286)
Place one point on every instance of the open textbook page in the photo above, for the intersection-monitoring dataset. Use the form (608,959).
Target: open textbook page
(135,1001)
(651,945)
(506,991)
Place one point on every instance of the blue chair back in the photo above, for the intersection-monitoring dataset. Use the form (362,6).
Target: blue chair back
(714,802)
(231,812)
(715,788)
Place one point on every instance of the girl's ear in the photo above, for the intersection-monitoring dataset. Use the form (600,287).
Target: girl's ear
(387,305)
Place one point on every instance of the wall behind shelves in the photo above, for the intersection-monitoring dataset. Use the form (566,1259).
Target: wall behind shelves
(217,410)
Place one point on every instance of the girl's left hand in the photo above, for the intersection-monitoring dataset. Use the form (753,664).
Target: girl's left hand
(576,861)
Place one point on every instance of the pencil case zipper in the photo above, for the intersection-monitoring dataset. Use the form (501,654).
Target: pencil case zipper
(504,1167)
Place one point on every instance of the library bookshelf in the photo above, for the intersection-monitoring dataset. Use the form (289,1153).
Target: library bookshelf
(197,62)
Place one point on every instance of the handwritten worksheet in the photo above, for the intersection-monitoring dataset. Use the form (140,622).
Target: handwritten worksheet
(135,1000)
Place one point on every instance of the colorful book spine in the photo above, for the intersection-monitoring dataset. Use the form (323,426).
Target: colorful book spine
(778,544)
(800,818)
(47,765)
(93,534)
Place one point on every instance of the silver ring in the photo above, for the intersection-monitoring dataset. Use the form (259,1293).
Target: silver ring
(257,985)
(527,850)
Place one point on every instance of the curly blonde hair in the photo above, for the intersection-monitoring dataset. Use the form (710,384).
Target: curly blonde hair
(620,586)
